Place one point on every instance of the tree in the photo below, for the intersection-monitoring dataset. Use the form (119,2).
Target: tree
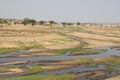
(51,23)
(42,22)
(69,24)
(78,23)
(27,21)
(3,21)
(32,22)
(64,24)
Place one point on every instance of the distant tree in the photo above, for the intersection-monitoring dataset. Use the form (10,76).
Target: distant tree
(15,23)
(42,22)
(51,23)
(27,21)
(78,23)
(64,24)
(3,21)
(69,24)
(32,22)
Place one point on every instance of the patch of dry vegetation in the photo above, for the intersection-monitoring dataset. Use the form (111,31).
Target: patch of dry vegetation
(10,71)
(14,63)
(114,78)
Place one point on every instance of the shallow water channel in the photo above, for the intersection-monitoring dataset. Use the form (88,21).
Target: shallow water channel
(110,51)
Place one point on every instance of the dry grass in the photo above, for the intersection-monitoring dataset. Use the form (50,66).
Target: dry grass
(13,63)
(11,71)
(114,78)
(95,40)
(51,39)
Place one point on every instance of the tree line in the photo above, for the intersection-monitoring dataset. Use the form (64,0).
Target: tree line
(32,22)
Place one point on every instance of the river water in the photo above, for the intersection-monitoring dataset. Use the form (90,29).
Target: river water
(110,51)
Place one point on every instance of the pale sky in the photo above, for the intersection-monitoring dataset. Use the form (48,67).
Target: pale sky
(62,10)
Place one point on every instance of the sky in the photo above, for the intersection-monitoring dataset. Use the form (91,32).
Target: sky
(107,11)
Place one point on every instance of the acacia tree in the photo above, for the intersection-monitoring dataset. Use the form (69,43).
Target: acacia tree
(27,21)
(42,22)
(51,23)
(78,23)
(64,24)
(33,22)
(69,24)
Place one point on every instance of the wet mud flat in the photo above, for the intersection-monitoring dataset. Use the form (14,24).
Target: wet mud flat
(83,67)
